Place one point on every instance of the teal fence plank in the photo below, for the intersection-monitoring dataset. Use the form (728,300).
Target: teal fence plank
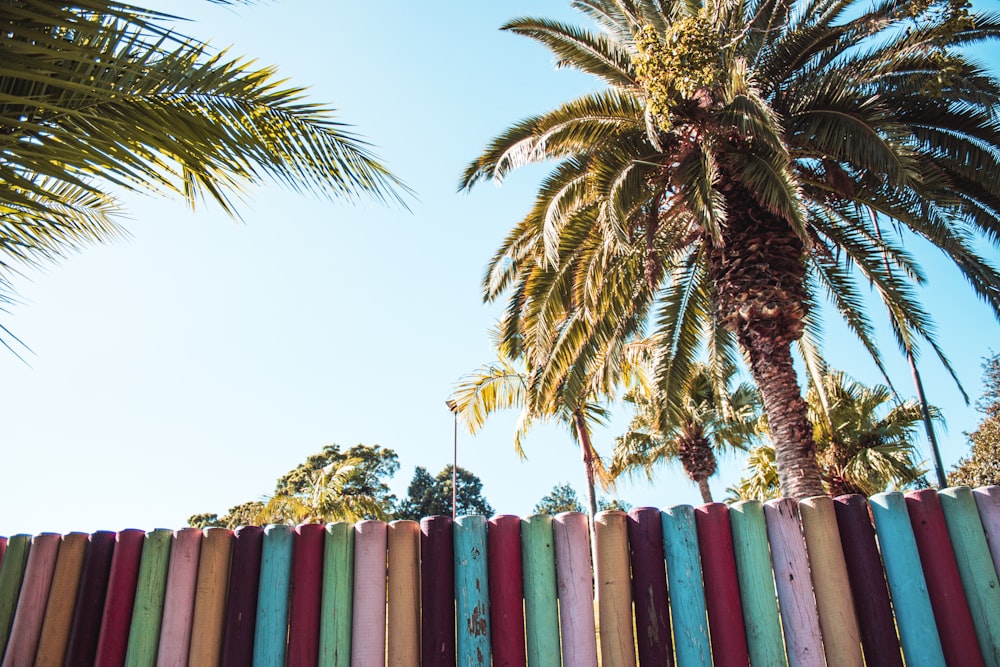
(271,629)
(686,586)
(472,604)
(541,613)
(757,591)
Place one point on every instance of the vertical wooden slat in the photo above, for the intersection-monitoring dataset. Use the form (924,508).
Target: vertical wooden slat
(799,618)
(86,626)
(210,598)
(975,566)
(3,548)
(944,584)
(503,541)
(649,587)
(11,575)
(988,502)
(918,633)
(472,604)
(687,588)
(368,635)
(614,589)
(241,598)
(306,596)
(178,600)
(574,576)
(120,600)
(437,592)
(541,613)
(62,600)
(271,628)
(150,588)
(837,620)
(722,587)
(403,541)
(338,596)
(757,593)
(27,626)
(868,587)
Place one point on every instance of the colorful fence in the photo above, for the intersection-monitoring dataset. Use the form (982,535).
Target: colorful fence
(838,581)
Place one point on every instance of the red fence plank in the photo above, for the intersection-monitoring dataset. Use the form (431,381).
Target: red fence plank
(722,588)
(113,641)
(649,587)
(241,602)
(437,592)
(503,543)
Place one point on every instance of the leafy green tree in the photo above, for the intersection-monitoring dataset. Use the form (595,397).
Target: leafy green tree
(708,423)
(982,466)
(99,96)
(430,496)
(356,479)
(745,159)
(562,498)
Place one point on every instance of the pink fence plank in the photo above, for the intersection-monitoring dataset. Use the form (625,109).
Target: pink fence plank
(368,633)
(27,627)
(988,503)
(571,533)
(178,602)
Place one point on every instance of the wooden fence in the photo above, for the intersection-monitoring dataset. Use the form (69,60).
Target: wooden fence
(842,582)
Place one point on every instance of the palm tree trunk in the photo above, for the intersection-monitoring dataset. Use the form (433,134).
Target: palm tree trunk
(587,449)
(706,492)
(794,448)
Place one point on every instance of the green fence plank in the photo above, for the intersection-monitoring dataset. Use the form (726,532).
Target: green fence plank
(541,614)
(147,612)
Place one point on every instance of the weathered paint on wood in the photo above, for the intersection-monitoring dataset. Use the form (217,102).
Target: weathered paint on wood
(944,584)
(918,633)
(120,600)
(687,588)
(722,588)
(86,627)
(472,604)
(210,598)
(61,601)
(437,592)
(541,612)
(368,632)
(503,543)
(271,627)
(338,596)
(614,589)
(649,587)
(306,594)
(988,503)
(241,599)
(799,618)
(27,627)
(150,588)
(975,566)
(868,587)
(837,620)
(404,594)
(758,596)
(574,578)
(11,576)
(178,602)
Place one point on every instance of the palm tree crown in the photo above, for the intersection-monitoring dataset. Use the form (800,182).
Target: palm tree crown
(746,158)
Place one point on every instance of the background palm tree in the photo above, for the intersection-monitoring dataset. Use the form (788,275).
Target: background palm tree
(98,96)
(736,155)
(323,497)
(709,423)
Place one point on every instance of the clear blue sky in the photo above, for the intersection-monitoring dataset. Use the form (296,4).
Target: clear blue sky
(186,368)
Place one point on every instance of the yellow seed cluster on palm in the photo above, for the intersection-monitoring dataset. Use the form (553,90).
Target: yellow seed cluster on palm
(672,67)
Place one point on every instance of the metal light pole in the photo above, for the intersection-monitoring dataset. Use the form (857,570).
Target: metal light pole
(454,458)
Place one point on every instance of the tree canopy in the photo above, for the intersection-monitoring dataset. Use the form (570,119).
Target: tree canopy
(430,496)
(982,466)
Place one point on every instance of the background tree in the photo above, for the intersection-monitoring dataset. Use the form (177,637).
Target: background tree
(725,153)
(563,498)
(328,495)
(430,496)
(244,514)
(982,466)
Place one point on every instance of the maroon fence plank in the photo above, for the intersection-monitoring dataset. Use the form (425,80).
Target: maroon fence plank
(86,626)
(3,548)
(722,588)
(117,615)
(503,543)
(437,592)
(951,610)
(241,602)
(307,588)
(870,591)
(649,587)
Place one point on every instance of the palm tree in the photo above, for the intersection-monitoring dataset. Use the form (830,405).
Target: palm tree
(710,423)
(736,156)
(97,95)
(325,496)
(866,441)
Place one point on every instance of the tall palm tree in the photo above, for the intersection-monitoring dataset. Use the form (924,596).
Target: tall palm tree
(709,423)
(736,154)
(98,95)
(325,496)
(866,441)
